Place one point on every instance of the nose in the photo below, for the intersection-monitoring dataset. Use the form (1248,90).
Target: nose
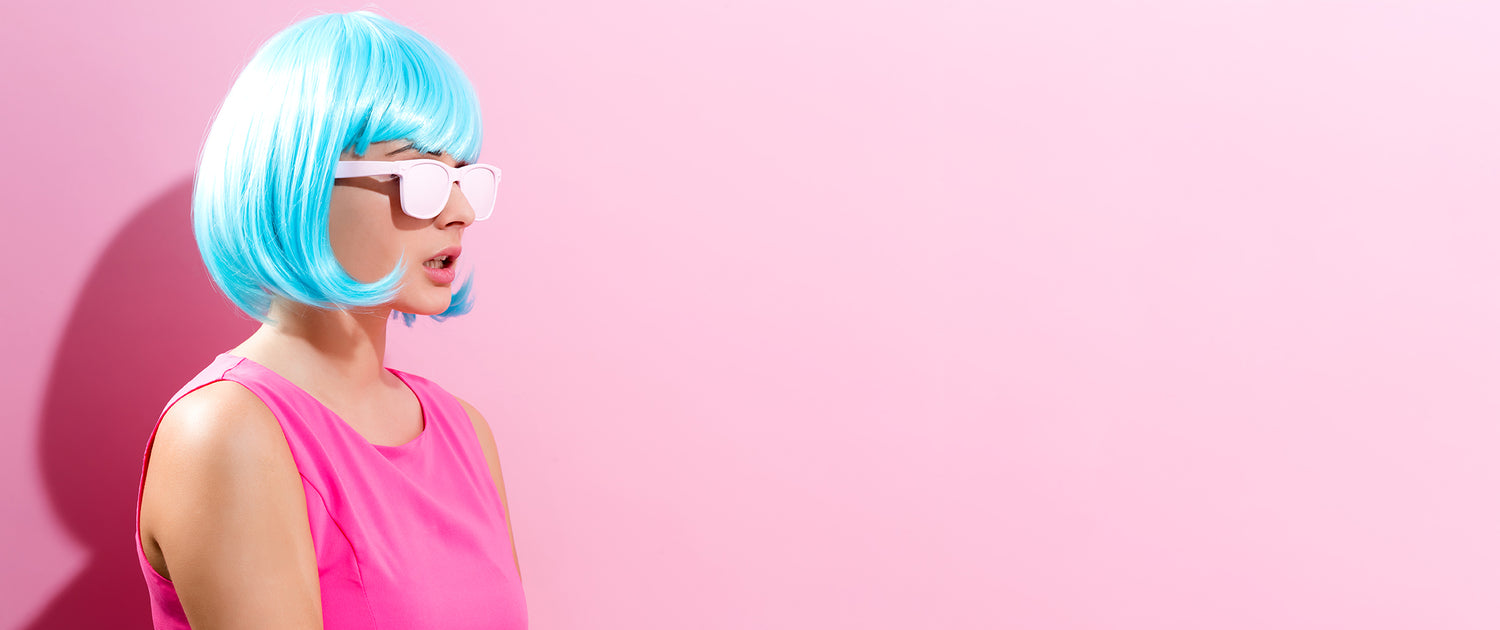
(458,212)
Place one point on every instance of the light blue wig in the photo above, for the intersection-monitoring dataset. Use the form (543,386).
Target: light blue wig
(324,85)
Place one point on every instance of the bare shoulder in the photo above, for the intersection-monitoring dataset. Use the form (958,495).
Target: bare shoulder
(481,426)
(486,442)
(220,432)
(216,407)
(223,507)
(217,429)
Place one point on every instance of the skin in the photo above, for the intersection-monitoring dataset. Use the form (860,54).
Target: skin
(223,513)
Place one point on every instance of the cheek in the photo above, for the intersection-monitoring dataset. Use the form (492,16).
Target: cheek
(361,234)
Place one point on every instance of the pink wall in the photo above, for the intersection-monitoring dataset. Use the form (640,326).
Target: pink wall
(1105,315)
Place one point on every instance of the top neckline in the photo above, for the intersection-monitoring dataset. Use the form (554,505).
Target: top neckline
(383,448)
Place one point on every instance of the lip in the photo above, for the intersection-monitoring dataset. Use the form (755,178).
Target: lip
(451,252)
(441,277)
(445,275)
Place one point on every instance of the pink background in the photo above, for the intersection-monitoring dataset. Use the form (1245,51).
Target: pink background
(1159,315)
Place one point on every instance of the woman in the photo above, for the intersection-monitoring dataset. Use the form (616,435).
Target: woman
(296,482)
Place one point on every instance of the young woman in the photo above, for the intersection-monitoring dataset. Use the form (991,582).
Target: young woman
(297,482)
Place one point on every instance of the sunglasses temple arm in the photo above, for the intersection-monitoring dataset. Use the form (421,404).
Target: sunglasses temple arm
(363,169)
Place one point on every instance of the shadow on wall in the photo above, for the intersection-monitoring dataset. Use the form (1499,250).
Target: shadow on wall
(147,321)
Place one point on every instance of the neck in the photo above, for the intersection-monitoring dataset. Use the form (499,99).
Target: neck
(318,344)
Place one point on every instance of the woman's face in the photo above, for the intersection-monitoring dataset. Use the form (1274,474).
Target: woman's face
(368,231)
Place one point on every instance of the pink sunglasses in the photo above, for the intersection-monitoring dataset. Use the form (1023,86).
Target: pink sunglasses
(426,184)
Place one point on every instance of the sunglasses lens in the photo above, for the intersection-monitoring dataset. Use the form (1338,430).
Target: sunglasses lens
(424,190)
(478,186)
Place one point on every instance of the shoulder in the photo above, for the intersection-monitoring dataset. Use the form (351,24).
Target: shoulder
(220,431)
(481,426)
(221,415)
(225,506)
(486,439)
(469,409)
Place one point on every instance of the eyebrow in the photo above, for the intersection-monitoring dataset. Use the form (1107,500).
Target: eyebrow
(410,146)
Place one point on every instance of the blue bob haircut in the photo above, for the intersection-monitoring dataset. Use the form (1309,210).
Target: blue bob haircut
(322,86)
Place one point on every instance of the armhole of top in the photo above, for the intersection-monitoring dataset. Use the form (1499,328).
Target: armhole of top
(146,462)
(482,459)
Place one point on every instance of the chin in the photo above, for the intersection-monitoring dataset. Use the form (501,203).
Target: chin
(425,307)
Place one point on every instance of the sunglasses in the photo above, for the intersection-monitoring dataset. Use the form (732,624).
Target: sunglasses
(426,184)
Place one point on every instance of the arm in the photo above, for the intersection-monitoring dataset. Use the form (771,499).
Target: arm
(228,511)
(487,442)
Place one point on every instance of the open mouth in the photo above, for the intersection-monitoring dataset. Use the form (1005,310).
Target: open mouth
(439,262)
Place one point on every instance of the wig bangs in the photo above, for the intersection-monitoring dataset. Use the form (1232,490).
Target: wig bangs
(412,91)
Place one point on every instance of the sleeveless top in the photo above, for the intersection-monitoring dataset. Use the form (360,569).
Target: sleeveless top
(407,537)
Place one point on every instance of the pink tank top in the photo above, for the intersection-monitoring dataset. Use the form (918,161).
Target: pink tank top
(407,537)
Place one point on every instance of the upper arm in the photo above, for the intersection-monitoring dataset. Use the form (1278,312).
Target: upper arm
(228,511)
(492,455)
